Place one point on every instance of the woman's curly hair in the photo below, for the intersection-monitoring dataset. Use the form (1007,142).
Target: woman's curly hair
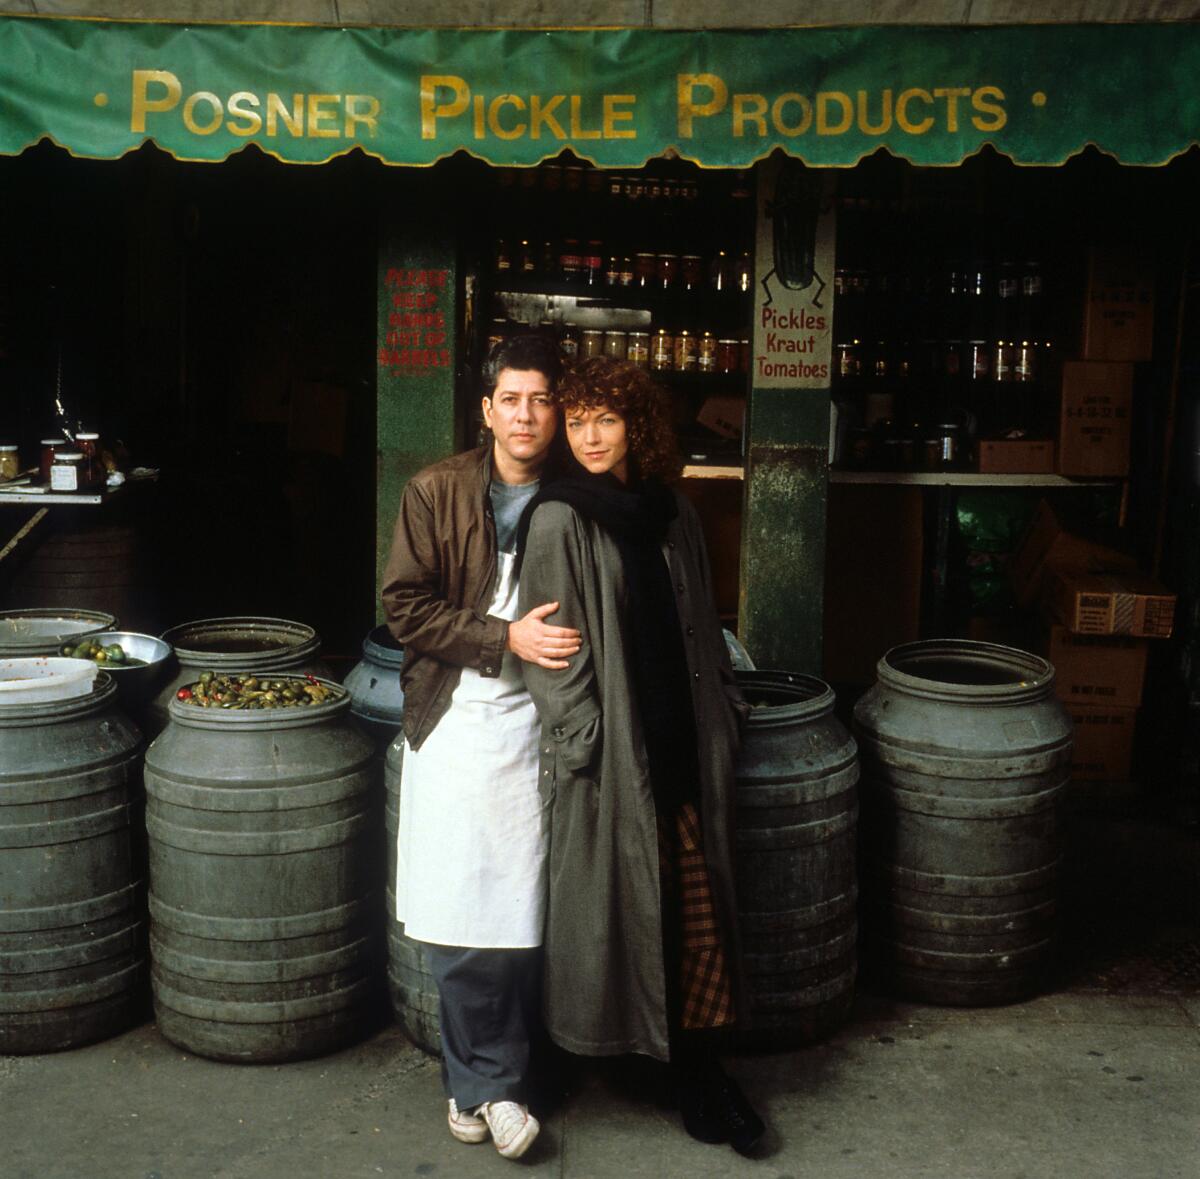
(626,388)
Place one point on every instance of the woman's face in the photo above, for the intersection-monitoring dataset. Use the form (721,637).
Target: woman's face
(597,439)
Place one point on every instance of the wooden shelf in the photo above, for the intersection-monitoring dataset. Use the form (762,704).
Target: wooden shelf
(964,479)
(712,471)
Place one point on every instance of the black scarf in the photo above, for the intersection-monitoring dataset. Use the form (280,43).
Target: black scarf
(636,517)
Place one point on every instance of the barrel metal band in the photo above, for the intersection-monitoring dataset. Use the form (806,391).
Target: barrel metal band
(970,886)
(65,915)
(953,962)
(265,1012)
(788,786)
(288,794)
(940,762)
(798,835)
(835,988)
(252,929)
(53,831)
(257,843)
(789,960)
(261,971)
(786,920)
(79,995)
(82,953)
(98,778)
(1012,807)
(971,924)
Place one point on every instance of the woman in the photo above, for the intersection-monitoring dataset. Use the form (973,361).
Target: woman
(639,737)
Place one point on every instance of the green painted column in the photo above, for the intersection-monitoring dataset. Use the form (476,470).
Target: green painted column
(416,344)
(782,587)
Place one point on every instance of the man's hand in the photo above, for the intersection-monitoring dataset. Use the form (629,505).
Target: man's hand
(535,641)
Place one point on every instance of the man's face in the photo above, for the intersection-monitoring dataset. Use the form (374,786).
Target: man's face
(521,416)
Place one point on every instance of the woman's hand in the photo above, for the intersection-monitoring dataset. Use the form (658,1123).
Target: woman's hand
(535,641)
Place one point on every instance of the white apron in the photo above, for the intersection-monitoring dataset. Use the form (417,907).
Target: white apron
(473,830)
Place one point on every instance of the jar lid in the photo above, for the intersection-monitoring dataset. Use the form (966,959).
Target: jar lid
(68,456)
(52,441)
(640,336)
(6,447)
(592,332)
(726,341)
(87,437)
(615,333)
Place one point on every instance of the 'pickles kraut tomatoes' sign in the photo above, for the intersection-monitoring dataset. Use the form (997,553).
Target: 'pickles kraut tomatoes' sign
(724,98)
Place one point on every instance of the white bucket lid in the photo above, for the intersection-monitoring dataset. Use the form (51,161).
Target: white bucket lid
(43,678)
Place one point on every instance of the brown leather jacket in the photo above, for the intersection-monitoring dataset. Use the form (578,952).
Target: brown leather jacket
(437,585)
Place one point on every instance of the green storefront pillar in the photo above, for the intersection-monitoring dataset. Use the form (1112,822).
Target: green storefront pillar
(782,586)
(416,345)
(783,528)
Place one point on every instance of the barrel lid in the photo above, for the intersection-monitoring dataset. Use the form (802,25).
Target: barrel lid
(965,670)
(102,695)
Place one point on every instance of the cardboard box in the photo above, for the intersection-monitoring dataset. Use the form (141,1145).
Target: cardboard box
(1047,543)
(1102,671)
(723,415)
(1103,749)
(1114,603)
(1094,418)
(1118,320)
(1016,456)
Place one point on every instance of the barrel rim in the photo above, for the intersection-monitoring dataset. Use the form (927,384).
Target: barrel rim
(1012,658)
(47,644)
(192,717)
(298,640)
(380,652)
(102,694)
(814,697)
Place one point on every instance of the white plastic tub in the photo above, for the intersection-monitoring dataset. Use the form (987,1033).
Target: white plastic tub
(42,678)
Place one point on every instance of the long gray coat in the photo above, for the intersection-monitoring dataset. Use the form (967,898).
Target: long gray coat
(605,986)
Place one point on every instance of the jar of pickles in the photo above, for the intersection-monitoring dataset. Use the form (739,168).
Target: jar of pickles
(666,267)
(706,353)
(644,269)
(691,272)
(592,344)
(638,350)
(686,351)
(727,356)
(662,351)
(10,463)
(49,447)
(616,344)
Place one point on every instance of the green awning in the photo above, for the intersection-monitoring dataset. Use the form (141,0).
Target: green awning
(305,93)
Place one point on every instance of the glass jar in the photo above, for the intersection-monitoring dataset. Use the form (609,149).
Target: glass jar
(1024,360)
(66,471)
(552,177)
(691,272)
(1002,360)
(662,351)
(727,356)
(685,353)
(706,353)
(978,360)
(627,271)
(744,355)
(612,272)
(572,178)
(638,350)
(719,278)
(849,360)
(501,258)
(593,263)
(644,266)
(744,275)
(616,344)
(89,446)
(592,345)
(10,462)
(666,267)
(49,447)
(570,260)
(616,186)
(570,343)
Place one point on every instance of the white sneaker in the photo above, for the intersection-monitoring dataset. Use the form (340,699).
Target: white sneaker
(513,1127)
(466,1127)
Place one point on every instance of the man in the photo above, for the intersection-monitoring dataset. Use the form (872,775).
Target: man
(473,828)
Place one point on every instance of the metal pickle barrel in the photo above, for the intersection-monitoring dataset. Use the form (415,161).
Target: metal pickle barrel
(263,830)
(965,754)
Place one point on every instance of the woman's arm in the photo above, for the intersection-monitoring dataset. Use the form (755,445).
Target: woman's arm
(555,568)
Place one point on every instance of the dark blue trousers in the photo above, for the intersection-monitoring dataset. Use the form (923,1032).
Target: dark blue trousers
(490,1009)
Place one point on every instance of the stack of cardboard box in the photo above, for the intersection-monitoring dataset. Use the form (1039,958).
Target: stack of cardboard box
(1099,615)
(1097,389)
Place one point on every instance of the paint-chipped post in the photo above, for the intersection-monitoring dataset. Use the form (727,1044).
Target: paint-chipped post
(787,451)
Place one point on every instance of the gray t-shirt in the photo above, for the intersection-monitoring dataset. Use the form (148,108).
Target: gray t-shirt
(508,502)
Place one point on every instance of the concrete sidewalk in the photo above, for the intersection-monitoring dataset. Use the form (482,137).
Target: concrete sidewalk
(1074,1084)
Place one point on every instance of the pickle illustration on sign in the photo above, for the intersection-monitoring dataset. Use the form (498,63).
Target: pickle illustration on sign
(794,212)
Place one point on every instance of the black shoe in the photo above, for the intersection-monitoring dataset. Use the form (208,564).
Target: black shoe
(702,1117)
(743,1127)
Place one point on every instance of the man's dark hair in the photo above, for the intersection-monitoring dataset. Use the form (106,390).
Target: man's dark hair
(527,352)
